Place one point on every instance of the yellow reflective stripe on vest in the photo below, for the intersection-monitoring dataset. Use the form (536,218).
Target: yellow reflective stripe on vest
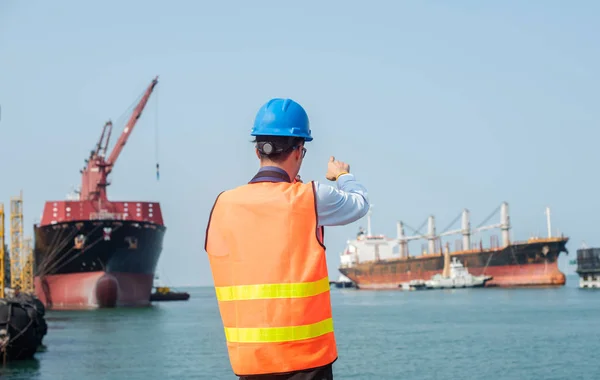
(278,334)
(263,291)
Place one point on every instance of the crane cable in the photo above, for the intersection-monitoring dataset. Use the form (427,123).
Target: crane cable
(156,135)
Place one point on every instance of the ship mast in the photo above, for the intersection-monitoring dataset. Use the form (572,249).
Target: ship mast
(94,175)
(548,222)
(465,230)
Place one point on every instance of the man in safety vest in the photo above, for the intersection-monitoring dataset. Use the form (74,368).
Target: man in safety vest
(265,246)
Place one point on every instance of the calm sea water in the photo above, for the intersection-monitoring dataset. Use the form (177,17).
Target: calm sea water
(460,334)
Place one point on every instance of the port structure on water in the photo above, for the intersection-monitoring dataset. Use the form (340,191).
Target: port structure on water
(588,267)
(378,262)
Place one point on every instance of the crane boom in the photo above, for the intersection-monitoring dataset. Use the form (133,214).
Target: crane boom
(137,112)
(94,175)
(102,145)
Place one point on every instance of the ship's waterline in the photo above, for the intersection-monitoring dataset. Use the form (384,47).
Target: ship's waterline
(102,269)
(379,262)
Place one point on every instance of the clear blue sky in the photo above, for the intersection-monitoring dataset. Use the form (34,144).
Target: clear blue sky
(436,106)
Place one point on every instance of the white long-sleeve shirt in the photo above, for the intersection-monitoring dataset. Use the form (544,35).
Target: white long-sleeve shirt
(342,205)
(336,206)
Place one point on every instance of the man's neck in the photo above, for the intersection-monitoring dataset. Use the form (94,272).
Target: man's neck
(276,167)
(268,173)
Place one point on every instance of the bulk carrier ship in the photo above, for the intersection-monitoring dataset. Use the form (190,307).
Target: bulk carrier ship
(379,262)
(91,252)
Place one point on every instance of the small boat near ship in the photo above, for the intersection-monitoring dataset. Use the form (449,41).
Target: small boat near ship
(454,275)
(459,278)
(344,282)
(413,285)
(163,293)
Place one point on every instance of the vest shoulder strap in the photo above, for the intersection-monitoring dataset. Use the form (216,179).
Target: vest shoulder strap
(209,219)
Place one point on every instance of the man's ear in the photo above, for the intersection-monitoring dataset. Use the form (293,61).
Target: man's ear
(299,153)
(257,153)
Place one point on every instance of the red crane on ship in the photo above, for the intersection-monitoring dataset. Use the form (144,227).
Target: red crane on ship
(94,177)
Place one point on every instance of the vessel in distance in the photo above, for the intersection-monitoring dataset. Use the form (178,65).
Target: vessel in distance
(92,252)
(381,262)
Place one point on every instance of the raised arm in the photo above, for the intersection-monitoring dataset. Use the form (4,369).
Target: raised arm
(342,205)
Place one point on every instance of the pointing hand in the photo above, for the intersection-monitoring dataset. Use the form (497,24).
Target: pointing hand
(335,168)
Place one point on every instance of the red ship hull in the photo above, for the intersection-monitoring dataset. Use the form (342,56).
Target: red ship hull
(506,276)
(96,263)
(94,290)
(534,263)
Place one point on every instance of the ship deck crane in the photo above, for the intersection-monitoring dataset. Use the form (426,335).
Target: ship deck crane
(465,230)
(94,176)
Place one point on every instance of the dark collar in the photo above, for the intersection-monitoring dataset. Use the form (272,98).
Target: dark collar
(271,174)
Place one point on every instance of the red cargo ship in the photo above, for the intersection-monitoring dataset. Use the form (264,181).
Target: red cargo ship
(378,262)
(92,252)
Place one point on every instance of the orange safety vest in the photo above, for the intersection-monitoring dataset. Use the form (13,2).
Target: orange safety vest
(270,274)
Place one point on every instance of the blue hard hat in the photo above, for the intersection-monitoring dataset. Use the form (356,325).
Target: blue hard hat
(282,117)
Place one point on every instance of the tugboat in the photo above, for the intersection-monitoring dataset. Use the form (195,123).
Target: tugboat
(164,293)
(458,276)
(413,285)
(344,282)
